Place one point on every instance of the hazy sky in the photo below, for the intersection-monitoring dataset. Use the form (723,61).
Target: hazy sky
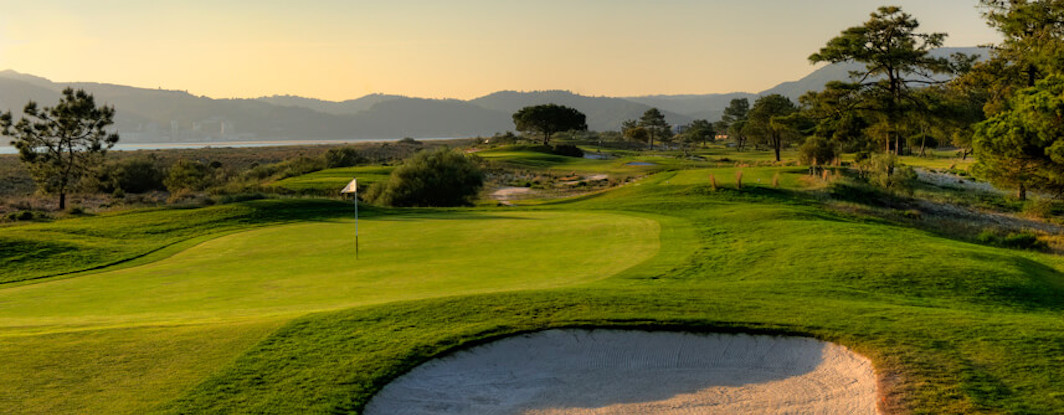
(342,49)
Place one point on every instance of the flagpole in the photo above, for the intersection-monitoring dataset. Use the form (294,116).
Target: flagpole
(356,223)
(352,187)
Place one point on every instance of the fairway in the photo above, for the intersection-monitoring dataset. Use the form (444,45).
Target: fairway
(134,337)
(312,266)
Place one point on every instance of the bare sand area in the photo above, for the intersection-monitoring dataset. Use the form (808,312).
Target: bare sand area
(637,372)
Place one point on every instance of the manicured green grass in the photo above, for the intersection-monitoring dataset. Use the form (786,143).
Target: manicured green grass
(127,335)
(332,180)
(292,269)
(117,371)
(952,327)
(40,250)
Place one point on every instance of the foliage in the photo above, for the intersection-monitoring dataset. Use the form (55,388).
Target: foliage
(549,119)
(887,172)
(653,121)
(773,121)
(734,121)
(189,175)
(1015,240)
(817,151)
(1033,45)
(443,177)
(896,57)
(699,131)
(134,175)
(62,144)
(344,157)
(836,115)
(567,150)
(1021,147)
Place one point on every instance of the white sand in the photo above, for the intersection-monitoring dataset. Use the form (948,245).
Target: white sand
(635,372)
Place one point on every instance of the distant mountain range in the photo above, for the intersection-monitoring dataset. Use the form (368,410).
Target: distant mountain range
(155,115)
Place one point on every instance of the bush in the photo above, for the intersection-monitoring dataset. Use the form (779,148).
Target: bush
(817,148)
(22,215)
(567,150)
(137,176)
(1015,240)
(409,141)
(343,157)
(886,171)
(187,175)
(438,178)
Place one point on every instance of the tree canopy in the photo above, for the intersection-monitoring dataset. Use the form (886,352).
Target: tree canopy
(700,131)
(653,121)
(60,145)
(897,59)
(773,121)
(1023,147)
(734,120)
(549,119)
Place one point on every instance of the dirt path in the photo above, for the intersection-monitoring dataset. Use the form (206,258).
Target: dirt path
(634,372)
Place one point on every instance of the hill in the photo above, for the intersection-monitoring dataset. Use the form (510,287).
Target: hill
(156,115)
(710,106)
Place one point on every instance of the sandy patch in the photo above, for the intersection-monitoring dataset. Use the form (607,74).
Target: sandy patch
(955,181)
(634,372)
(592,178)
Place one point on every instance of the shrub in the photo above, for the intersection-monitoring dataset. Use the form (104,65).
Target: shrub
(438,178)
(343,157)
(817,149)
(137,176)
(409,141)
(1015,240)
(567,150)
(886,171)
(22,215)
(187,175)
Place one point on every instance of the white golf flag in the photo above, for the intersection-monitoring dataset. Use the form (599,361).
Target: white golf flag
(351,187)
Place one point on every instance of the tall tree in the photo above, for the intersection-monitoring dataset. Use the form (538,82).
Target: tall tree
(62,144)
(838,116)
(632,131)
(1023,147)
(896,59)
(653,121)
(734,120)
(549,119)
(700,131)
(1033,32)
(772,120)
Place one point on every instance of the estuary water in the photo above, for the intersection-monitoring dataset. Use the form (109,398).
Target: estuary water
(7,149)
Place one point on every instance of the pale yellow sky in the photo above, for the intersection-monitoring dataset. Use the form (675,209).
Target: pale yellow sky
(336,50)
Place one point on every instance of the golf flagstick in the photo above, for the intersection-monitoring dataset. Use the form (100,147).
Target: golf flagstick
(352,187)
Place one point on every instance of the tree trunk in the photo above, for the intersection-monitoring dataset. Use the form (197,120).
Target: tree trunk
(923,145)
(1021,193)
(62,200)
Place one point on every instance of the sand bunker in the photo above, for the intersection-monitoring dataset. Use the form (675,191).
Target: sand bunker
(634,372)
